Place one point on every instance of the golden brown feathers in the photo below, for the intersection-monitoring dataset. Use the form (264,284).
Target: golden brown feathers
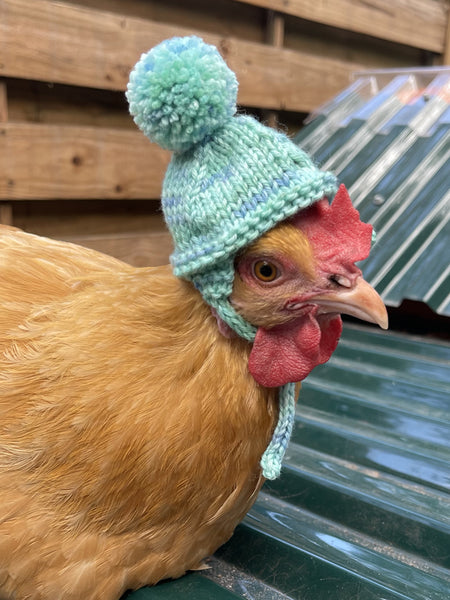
(290,250)
(131,429)
(117,466)
(286,239)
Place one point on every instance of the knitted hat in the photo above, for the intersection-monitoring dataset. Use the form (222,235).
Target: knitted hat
(230,179)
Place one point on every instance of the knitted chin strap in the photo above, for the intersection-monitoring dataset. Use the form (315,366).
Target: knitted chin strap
(272,458)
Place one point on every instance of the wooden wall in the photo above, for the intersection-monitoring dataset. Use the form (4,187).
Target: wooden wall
(72,163)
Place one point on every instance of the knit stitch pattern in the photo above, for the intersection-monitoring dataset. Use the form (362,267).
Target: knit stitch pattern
(231,188)
(272,458)
(230,180)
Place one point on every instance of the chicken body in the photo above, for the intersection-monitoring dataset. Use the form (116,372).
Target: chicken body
(130,428)
(132,419)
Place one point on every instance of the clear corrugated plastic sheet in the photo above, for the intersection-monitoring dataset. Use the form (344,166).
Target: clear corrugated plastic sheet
(387,137)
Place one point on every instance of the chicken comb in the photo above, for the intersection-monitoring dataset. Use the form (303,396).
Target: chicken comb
(338,235)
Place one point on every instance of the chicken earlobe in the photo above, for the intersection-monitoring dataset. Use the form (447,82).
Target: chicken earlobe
(223,327)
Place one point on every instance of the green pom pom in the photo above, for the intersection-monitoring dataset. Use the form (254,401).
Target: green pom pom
(180,92)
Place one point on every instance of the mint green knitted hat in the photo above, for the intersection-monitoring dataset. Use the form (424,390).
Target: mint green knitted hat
(230,179)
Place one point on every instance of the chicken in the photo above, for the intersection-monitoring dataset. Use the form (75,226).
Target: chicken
(142,409)
(132,420)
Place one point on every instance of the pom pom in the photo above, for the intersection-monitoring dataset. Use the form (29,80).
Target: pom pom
(180,92)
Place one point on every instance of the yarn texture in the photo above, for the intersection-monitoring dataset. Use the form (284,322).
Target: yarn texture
(230,180)
(180,92)
(273,456)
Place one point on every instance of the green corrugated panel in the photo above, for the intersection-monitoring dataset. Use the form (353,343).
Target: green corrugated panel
(362,509)
(393,153)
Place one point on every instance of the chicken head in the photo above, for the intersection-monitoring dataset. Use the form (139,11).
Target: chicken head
(295,281)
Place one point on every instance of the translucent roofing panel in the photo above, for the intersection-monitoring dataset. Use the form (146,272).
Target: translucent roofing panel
(392,151)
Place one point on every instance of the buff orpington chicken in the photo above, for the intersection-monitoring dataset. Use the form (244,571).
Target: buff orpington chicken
(141,410)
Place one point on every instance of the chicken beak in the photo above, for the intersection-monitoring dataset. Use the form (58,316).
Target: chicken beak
(361,301)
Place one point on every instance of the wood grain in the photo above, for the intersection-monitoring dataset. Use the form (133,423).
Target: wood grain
(3,102)
(275,29)
(51,41)
(6,213)
(37,102)
(132,230)
(71,218)
(446,54)
(223,17)
(39,161)
(140,250)
(418,23)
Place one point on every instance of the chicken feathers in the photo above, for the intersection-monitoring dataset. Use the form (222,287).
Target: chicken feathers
(117,466)
(131,424)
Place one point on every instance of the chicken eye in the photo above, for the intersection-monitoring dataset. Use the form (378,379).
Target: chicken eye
(265,271)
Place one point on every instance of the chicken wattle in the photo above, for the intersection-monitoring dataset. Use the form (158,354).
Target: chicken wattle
(289,352)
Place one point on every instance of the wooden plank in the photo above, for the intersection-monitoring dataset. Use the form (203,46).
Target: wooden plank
(51,41)
(274,37)
(139,250)
(223,17)
(446,55)
(3,102)
(51,161)
(418,23)
(133,231)
(6,213)
(71,218)
(37,102)
(275,29)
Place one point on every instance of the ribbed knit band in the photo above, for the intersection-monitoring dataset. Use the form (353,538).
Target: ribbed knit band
(230,189)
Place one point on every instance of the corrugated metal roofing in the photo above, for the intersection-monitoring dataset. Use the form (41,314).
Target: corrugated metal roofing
(362,509)
(387,137)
